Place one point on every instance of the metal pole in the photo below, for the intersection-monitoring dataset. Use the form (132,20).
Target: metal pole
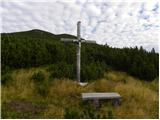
(79,62)
(78,52)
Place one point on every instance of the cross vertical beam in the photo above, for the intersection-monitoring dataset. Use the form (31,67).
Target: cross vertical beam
(78,41)
(79,52)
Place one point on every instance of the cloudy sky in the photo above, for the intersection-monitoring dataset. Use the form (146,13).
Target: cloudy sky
(117,23)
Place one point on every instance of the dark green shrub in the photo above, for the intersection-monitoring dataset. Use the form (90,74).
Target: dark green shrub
(41,85)
(72,113)
(124,81)
(92,71)
(5,78)
(89,111)
(38,77)
(62,70)
(13,115)
(5,69)
(110,114)
(33,49)
(42,89)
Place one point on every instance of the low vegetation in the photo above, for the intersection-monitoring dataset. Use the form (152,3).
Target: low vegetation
(34,93)
(36,48)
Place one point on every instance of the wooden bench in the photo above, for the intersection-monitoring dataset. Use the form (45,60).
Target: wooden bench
(115,97)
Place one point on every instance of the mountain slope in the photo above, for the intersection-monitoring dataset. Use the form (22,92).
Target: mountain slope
(38,48)
(38,73)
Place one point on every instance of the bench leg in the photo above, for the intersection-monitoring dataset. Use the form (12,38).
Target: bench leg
(96,103)
(116,102)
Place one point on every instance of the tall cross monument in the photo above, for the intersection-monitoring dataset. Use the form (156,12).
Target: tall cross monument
(78,41)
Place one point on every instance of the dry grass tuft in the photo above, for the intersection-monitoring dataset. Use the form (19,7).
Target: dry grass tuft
(139,98)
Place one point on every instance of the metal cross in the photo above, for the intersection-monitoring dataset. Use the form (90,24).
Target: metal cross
(78,41)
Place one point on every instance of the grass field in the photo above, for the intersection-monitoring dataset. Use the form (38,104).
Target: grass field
(27,94)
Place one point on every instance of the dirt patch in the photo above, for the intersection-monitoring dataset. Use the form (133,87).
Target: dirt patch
(24,109)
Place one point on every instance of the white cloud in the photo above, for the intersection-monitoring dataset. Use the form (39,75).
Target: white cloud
(116,23)
(149,6)
(92,10)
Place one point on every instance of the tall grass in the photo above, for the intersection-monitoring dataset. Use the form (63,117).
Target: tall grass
(63,97)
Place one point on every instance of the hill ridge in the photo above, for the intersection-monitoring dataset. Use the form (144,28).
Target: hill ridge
(42,32)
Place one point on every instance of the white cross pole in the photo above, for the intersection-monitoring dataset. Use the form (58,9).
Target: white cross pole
(79,40)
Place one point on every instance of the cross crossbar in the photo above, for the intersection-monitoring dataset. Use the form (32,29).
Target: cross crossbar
(68,40)
(88,41)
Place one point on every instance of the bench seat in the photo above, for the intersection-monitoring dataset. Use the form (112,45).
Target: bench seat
(102,96)
(111,95)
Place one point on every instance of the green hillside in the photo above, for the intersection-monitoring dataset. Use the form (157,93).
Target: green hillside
(38,78)
(31,93)
(39,48)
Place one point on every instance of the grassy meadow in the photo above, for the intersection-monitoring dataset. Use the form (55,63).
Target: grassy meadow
(32,93)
